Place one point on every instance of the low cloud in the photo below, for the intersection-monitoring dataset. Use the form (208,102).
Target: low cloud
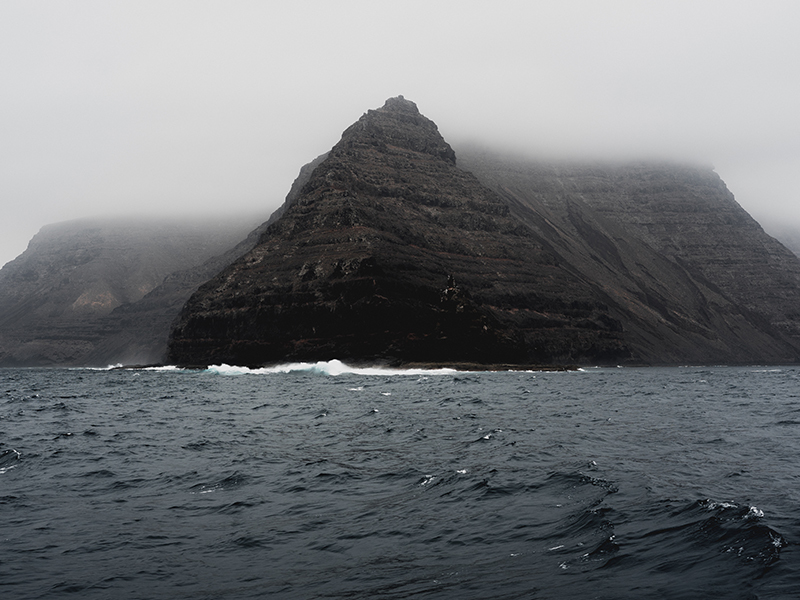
(175,108)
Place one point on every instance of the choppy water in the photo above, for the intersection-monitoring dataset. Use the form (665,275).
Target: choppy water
(605,483)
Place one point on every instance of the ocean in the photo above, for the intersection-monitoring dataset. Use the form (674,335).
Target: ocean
(322,481)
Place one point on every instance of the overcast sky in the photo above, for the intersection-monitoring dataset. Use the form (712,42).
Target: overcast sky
(159,107)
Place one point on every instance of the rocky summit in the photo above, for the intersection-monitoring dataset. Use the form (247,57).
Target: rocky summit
(391,252)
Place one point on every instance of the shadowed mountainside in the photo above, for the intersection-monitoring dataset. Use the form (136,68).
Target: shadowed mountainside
(391,252)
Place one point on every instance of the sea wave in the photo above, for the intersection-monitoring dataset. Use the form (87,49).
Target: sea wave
(331,367)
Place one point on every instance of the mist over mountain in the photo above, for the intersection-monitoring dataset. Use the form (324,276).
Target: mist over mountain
(391,252)
(62,300)
(395,248)
(788,235)
(683,212)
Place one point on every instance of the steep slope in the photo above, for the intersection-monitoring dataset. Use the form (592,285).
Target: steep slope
(787,234)
(137,333)
(386,250)
(58,298)
(686,214)
(358,267)
(392,253)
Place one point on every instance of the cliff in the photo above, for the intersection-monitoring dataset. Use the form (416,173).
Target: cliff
(684,213)
(391,252)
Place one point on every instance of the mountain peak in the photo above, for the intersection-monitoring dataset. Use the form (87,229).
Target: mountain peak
(397,125)
(400,104)
(362,266)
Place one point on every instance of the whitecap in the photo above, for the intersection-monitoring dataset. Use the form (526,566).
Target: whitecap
(711,505)
(331,367)
(754,513)
(223,369)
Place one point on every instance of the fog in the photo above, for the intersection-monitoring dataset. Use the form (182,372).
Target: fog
(189,107)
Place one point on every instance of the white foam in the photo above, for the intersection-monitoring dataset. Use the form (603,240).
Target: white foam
(331,367)
(754,513)
(131,368)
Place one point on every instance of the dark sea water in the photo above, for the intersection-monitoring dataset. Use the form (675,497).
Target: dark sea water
(603,483)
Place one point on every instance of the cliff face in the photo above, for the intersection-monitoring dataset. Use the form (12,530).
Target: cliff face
(358,266)
(61,300)
(685,214)
(391,252)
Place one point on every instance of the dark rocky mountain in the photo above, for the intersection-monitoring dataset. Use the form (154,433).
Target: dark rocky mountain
(683,212)
(64,300)
(387,249)
(391,251)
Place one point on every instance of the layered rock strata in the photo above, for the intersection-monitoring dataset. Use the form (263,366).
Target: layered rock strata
(392,253)
(685,213)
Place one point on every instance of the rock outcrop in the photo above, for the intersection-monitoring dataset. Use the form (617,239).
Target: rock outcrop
(392,253)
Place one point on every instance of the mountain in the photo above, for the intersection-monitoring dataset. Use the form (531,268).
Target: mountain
(63,300)
(389,248)
(684,213)
(393,251)
(137,332)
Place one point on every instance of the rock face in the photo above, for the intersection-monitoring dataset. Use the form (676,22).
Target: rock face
(685,213)
(391,252)
(67,299)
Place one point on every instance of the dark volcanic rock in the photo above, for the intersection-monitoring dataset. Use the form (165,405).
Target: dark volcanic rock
(390,252)
(357,268)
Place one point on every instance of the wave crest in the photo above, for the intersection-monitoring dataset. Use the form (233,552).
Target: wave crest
(331,367)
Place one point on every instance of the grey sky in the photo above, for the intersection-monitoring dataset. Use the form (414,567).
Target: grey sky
(163,107)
